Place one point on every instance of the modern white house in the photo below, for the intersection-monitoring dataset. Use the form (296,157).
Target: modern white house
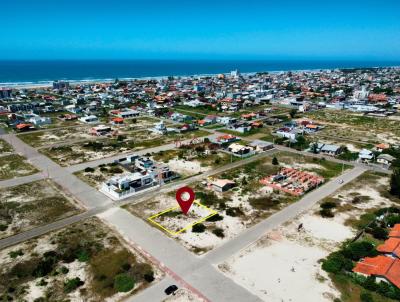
(123,186)
(144,174)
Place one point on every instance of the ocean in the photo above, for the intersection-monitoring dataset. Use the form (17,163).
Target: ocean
(42,72)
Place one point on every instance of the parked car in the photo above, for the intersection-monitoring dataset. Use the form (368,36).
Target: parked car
(171,289)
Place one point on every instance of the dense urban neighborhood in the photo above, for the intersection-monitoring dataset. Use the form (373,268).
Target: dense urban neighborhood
(296,178)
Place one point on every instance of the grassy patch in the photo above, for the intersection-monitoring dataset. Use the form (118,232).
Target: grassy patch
(30,205)
(5,147)
(351,292)
(109,267)
(15,165)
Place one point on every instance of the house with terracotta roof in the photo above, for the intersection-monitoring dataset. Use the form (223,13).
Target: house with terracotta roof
(226,139)
(386,267)
(395,231)
(257,124)
(312,128)
(202,123)
(117,121)
(391,247)
(378,98)
(25,127)
(381,147)
(249,116)
(382,267)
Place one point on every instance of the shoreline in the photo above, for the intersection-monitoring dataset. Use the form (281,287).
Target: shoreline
(75,82)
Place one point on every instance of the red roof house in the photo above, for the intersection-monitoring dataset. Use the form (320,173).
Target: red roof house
(391,246)
(395,231)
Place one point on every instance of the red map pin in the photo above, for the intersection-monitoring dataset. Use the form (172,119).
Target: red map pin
(185,204)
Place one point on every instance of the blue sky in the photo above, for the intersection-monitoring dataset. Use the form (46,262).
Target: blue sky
(218,29)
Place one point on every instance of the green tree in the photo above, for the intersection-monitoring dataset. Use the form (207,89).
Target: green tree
(123,283)
(219,232)
(292,113)
(301,141)
(275,161)
(314,148)
(72,284)
(366,297)
(395,182)
(357,250)
(198,228)
(337,262)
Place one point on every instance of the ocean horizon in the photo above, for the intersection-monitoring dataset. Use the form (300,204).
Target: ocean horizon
(36,72)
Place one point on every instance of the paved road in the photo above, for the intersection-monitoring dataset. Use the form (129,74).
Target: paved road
(22,180)
(153,293)
(106,160)
(73,141)
(140,197)
(197,273)
(308,201)
(370,167)
(202,276)
(88,196)
(54,226)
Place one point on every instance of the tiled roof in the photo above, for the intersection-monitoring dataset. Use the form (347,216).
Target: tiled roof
(379,265)
(395,231)
(392,245)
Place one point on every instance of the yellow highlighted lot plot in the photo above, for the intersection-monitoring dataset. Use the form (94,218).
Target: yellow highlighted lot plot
(210,212)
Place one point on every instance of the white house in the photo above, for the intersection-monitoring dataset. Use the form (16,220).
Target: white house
(193,103)
(290,134)
(127,114)
(123,186)
(89,119)
(385,159)
(240,150)
(39,120)
(226,120)
(159,128)
(365,155)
